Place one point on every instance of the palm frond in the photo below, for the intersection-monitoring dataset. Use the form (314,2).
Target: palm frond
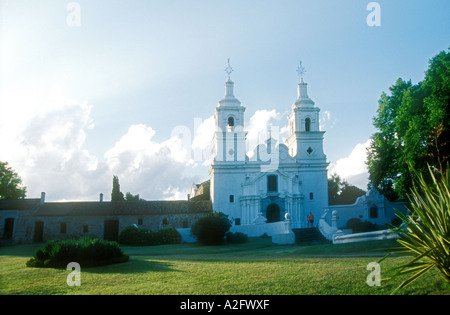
(425,232)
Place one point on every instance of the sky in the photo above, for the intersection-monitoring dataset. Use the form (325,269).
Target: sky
(94,88)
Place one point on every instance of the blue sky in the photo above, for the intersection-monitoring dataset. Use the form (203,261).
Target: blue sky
(81,103)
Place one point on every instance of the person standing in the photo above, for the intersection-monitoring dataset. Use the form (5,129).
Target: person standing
(311,219)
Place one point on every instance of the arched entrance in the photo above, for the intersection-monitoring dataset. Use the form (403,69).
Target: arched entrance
(273,213)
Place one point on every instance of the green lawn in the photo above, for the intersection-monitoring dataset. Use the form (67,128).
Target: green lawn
(254,268)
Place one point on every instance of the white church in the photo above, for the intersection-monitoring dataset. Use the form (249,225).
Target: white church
(275,188)
(277,181)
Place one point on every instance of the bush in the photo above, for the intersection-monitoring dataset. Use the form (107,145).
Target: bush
(133,236)
(211,229)
(86,251)
(427,232)
(168,236)
(137,237)
(236,238)
(358,226)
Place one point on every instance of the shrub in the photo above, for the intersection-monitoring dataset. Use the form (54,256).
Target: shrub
(211,229)
(87,251)
(358,226)
(236,238)
(396,221)
(137,237)
(427,229)
(168,236)
(133,236)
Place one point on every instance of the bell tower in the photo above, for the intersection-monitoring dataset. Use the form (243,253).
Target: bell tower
(227,169)
(305,141)
(229,138)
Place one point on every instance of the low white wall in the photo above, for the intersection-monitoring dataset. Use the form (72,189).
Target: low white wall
(257,230)
(364,237)
(276,229)
(187,236)
(327,230)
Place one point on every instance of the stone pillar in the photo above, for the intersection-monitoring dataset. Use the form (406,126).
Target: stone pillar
(334,219)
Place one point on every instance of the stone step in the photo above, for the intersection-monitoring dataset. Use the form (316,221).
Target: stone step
(309,236)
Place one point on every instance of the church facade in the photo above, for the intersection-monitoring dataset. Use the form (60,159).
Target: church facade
(276,180)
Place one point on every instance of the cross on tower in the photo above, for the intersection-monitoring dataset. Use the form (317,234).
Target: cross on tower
(301,71)
(228,69)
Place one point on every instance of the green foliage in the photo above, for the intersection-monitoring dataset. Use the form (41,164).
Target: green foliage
(211,229)
(86,251)
(168,236)
(342,193)
(134,236)
(236,238)
(412,124)
(137,237)
(10,183)
(358,226)
(426,231)
(130,197)
(116,194)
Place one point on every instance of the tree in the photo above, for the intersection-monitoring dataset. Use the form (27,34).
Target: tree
(116,194)
(130,197)
(349,194)
(412,129)
(10,183)
(342,193)
(334,188)
(211,229)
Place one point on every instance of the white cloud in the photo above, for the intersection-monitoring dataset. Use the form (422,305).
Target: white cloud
(152,169)
(353,168)
(42,135)
(202,142)
(325,120)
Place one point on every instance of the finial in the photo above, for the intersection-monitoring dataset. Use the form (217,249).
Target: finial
(229,70)
(301,71)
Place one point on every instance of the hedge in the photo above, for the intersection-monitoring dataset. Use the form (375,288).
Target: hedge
(87,251)
(134,236)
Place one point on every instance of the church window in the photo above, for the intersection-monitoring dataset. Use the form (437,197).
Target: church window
(230,123)
(237,221)
(308,124)
(272,183)
(231,198)
(311,196)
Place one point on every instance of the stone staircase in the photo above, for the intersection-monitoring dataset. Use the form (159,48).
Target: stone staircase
(309,236)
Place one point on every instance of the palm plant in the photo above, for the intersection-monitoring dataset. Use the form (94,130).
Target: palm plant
(426,230)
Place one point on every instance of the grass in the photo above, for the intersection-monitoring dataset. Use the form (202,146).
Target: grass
(253,268)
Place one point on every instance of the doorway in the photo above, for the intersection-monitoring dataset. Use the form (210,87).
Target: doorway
(9,228)
(38,232)
(273,213)
(111,230)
